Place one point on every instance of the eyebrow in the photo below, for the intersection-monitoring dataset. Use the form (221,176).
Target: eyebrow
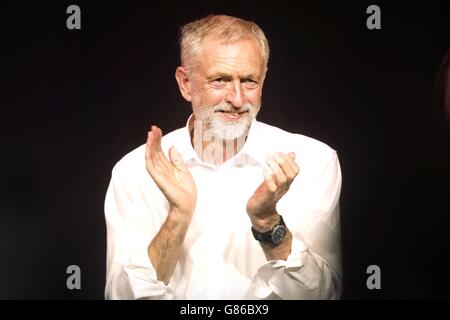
(219,75)
(228,76)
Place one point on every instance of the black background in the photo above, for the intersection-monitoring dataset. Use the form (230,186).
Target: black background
(74,102)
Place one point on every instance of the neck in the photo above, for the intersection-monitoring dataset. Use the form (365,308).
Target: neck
(216,151)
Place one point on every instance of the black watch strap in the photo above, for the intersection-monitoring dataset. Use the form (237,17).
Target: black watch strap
(274,236)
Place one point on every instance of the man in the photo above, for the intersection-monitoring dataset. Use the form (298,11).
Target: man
(227,207)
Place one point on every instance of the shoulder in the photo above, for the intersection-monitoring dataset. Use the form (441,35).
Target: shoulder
(131,165)
(308,150)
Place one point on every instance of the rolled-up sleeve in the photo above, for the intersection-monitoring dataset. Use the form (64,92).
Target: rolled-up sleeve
(313,269)
(130,274)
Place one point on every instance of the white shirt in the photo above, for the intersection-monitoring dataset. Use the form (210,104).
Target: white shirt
(220,258)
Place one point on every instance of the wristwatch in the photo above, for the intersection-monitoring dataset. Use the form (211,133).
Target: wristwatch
(274,236)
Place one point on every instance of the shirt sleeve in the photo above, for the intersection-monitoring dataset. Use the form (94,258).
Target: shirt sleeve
(313,269)
(130,274)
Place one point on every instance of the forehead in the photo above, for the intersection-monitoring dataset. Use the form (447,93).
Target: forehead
(241,57)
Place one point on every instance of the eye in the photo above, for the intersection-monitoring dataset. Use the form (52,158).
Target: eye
(218,82)
(250,83)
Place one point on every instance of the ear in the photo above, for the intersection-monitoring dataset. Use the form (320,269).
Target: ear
(184,84)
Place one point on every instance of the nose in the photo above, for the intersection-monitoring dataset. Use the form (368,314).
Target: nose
(235,96)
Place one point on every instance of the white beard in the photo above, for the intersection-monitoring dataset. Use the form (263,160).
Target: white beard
(219,128)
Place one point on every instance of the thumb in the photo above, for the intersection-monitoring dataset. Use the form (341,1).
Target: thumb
(176,158)
(292,155)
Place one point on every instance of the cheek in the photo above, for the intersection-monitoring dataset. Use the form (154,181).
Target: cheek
(206,99)
(212,97)
(254,98)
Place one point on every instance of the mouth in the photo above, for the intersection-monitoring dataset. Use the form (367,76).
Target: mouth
(230,115)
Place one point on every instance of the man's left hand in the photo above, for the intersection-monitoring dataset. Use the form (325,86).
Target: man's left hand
(261,207)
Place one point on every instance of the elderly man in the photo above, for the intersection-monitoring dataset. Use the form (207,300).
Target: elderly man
(227,207)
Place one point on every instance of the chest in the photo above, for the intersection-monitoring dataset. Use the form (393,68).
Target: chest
(222,197)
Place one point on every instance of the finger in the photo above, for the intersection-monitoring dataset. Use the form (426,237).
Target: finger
(176,159)
(293,162)
(268,179)
(285,164)
(162,156)
(150,157)
(277,171)
(154,155)
(290,161)
(148,147)
(157,144)
(158,133)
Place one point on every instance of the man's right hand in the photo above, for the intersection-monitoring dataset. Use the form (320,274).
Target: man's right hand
(172,177)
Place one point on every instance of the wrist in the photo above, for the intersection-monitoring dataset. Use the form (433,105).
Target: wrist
(263,224)
(274,236)
(179,217)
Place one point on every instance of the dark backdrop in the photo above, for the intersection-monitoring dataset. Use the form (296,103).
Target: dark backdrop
(74,102)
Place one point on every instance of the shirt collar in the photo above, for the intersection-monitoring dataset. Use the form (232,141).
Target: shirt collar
(252,153)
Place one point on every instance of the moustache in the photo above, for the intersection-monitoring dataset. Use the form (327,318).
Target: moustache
(243,109)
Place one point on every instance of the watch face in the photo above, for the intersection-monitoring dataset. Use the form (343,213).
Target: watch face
(278,234)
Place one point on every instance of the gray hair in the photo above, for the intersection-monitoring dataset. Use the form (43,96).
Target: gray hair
(227,28)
